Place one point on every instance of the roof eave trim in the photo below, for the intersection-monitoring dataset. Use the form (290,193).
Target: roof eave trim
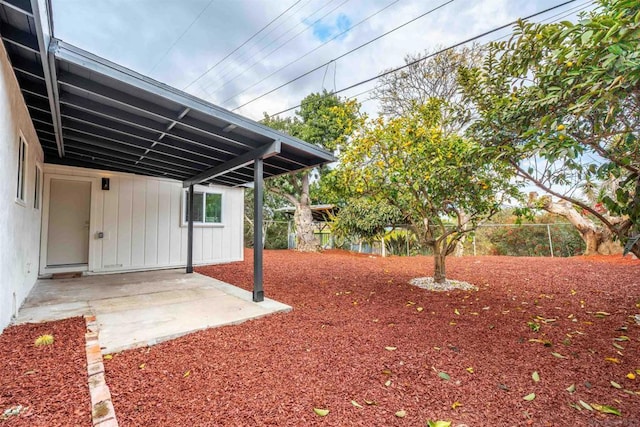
(66,52)
(44,31)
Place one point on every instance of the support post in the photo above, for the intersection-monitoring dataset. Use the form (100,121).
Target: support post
(258,218)
(550,241)
(190,206)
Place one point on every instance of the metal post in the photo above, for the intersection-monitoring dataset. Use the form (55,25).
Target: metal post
(550,242)
(190,206)
(407,239)
(384,248)
(474,245)
(289,245)
(258,195)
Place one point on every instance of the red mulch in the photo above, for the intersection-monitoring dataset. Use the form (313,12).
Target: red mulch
(50,381)
(330,349)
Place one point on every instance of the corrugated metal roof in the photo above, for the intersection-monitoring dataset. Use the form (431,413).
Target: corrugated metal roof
(93,113)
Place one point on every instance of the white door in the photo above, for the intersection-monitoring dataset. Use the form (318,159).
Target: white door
(69,219)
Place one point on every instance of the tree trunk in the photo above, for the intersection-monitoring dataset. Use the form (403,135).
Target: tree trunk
(305,239)
(598,239)
(439,258)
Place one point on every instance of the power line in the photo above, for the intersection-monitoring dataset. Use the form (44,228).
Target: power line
(560,15)
(181,35)
(314,49)
(229,65)
(239,47)
(345,54)
(281,45)
(479,36)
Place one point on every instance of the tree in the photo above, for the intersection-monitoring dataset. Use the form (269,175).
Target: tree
(430,177)
(324,120)
(560,103)
(271,218)
(433,77)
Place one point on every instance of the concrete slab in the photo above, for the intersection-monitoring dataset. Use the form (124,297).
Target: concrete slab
(145,308)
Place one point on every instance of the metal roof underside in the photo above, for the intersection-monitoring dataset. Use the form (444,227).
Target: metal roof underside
(92,113)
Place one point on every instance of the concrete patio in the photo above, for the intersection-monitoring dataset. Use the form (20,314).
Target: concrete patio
(144,308)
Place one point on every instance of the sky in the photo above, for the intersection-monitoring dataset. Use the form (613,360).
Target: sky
(230,52)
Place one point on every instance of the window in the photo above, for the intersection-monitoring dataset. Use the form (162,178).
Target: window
(207,207)
(21,193)
(37,186)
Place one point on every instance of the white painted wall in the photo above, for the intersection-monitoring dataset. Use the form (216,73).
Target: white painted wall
(141,221)
(19,223)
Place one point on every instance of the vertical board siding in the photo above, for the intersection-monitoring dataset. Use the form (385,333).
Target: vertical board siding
(151,224)
(141,218)
(138,219)
(125,217)
(110,222)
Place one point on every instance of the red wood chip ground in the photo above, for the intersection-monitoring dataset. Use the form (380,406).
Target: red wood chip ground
(359,332)
(49,381)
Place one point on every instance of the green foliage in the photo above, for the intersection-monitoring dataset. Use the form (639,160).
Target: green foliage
(567,93)
(365,219)
(440,184)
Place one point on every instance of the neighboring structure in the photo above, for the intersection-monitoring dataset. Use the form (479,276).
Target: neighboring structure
(99,165)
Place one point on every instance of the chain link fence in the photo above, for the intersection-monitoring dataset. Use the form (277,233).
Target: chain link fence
(550,239)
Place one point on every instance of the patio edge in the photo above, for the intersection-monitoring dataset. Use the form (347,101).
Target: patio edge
(103,413)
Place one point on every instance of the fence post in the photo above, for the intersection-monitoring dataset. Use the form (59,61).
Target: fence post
(550,242)
(383,249)
(407,239)
(474,245)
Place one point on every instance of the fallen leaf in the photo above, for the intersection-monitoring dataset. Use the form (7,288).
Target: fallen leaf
(401,414)
(419,309)
(535,376)
(622,338)
(356,404)
(558,355)
(438,423)
(321,412)
(186,374)
(444,376)
(46,339)
(142,366)
(386,371)
(107,357)
(456,312)
(602,314)
(391,348)
(606,409)
(615,384)
(571,388)
(618,346)
(456,404)
(612,359)
(631,376)
(529,397)
(410,303)
(369,402)
(585,405)
(470,370)
(387,383)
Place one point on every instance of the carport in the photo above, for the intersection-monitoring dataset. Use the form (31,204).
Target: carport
(92,113)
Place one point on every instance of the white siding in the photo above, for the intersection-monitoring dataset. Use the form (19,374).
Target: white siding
(19,223)
(141,221)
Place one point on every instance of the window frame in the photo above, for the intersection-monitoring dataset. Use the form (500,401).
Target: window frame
(37,188)
(185,197)
(23,166)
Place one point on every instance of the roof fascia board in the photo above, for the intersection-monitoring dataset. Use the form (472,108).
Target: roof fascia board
(44,30)
(245,159)
(77,56)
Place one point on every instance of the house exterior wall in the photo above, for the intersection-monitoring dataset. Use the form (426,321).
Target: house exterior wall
(142,221)
(19,222)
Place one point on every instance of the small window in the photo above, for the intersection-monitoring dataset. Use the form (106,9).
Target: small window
(37,188)
(207,208)
(21,191)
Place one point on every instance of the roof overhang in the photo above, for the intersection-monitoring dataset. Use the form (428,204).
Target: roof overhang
(92,113)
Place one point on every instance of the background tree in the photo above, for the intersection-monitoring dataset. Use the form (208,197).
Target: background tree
(324,120)
(434,77)
(560,103)
(274,226)
(409,163)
